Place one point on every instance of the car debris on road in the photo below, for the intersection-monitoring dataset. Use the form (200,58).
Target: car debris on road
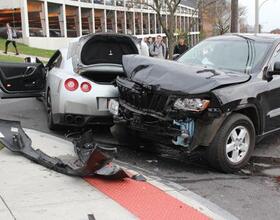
(93,159)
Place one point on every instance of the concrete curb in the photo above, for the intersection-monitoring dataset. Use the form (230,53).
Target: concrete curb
(181,193)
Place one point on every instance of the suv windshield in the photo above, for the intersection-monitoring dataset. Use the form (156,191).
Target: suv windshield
(239,55)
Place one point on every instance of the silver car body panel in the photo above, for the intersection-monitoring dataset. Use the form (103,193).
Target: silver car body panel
(78,102)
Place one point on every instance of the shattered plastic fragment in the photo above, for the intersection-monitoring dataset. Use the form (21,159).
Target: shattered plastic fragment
(92,159)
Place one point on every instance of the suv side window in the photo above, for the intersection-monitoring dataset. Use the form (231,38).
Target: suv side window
(275,58)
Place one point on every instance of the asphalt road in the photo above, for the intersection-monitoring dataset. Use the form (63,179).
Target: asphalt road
(250,194)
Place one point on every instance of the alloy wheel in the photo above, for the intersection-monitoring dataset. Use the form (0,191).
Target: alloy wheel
(237,144)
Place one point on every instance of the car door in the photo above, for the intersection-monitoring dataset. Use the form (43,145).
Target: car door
(21,80)
(271,99)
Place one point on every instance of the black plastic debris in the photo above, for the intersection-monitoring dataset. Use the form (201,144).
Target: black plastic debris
(91,217)
(92,158)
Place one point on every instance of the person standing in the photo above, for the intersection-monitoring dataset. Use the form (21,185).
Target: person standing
(149,43)
(158,48)
(11,36)
(181,47)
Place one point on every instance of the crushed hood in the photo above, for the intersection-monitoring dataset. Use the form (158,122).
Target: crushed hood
(177,77)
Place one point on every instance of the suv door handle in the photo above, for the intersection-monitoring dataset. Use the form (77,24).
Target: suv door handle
(29,70)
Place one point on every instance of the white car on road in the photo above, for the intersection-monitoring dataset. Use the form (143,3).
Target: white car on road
(77,82)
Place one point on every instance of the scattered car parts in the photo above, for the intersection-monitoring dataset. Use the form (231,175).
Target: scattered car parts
(93,158)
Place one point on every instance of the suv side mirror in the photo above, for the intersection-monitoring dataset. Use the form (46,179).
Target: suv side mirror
(276,71)
(276,68)
(175,56)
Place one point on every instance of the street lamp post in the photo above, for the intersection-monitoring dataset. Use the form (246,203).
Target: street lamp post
(257,15)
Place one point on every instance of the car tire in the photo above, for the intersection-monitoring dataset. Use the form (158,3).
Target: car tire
(233,144)
(51,124)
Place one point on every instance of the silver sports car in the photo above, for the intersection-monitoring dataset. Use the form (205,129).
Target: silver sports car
(77,81)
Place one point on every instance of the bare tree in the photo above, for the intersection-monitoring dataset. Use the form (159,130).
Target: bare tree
(169,8)
(218,15)
(161,7)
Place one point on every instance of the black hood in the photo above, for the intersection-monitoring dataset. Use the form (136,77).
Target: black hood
(177,77)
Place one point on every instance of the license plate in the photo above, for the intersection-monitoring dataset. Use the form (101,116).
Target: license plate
(103,104)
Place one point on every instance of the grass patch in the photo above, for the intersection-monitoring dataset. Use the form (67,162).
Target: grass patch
(13,59)
(1,146)
(24,49)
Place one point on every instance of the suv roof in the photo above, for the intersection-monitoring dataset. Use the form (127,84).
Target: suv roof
(259,37)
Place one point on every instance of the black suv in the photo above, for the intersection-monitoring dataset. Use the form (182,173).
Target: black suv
(223,95)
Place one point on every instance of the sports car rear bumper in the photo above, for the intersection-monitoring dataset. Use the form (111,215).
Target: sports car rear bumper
(76,120)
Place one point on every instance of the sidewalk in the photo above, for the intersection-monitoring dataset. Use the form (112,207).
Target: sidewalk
(30,191)
(43,59)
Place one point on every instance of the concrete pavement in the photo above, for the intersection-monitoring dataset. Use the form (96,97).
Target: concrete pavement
(30,191)
(43,59)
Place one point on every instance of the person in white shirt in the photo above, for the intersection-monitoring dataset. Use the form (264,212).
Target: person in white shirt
(12,35)
(158,48)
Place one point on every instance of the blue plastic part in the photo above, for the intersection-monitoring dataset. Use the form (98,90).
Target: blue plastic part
(187,131)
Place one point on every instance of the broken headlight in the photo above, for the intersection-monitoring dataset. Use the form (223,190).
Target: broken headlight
(195,105)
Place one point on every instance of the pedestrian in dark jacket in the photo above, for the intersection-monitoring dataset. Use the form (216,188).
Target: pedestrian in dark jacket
(181,47)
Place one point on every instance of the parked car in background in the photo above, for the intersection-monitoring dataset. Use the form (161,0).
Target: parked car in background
(221,97)
(77,81)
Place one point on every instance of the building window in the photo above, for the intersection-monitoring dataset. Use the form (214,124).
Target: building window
(129,23)
(178,23)
(158,25)
(13,17)
(110,2)
(119,2)
(138,25)
(56,21)
(121,22)
(99,2)
(99,20)
(87,21)
(182,24)
(36,19)
(152,24)
(72,21)
(187,24)
(111,21)
(145,23)
(164,21)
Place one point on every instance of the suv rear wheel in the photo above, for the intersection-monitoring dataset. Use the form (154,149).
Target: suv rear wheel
(233,145)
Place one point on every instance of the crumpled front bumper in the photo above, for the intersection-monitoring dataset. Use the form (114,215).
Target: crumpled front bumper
(188,132)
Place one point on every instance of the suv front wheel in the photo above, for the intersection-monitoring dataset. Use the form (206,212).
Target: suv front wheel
(233,144)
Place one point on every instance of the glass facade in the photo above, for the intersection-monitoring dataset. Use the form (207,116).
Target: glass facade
(74,18)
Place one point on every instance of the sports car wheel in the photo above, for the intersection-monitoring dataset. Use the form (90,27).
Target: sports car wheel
(233,145)
(51,124)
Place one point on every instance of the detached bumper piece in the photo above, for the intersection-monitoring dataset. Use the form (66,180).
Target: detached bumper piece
(93,158)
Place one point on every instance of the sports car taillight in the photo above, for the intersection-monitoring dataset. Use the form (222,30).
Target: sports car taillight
(71,84)
(85,87)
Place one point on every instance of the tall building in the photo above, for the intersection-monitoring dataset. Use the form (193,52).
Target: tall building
(53,23)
